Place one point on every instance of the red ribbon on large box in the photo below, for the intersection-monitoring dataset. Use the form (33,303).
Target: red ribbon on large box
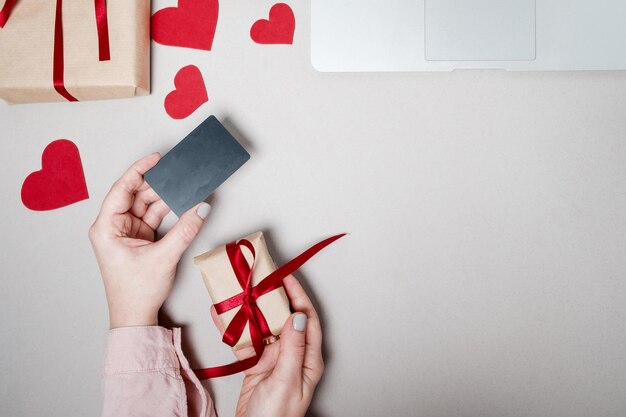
(104,49)
(250,313)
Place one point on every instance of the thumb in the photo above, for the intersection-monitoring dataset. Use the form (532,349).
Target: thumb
(178,239)
(292,348)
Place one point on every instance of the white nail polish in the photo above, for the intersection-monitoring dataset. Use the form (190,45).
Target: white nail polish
(203,210)
(299,322)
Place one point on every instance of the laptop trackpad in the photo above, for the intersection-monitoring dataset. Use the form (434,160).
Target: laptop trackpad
(479,30)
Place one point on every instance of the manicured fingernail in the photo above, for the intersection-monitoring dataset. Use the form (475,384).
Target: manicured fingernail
(203,210)
(299,322)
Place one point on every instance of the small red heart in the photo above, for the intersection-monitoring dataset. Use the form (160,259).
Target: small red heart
(190,25)
(189,94)
(60,182)
(278,29)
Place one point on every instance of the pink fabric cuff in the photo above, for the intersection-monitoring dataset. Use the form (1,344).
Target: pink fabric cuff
(140,349)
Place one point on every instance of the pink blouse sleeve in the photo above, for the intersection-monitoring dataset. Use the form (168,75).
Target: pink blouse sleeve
(146,374)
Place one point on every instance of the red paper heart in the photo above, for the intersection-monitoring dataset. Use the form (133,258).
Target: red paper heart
(278,29)
(190,93)
(190,25)
(60,182)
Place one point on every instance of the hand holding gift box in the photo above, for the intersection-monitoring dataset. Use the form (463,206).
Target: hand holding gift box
(247,292)
(54,50)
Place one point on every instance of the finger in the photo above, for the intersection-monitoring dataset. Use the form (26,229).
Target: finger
(155,214)
(300,301)
(142,201)
(178,239)
(120,198)
(292,349)
(145,232)
(298,298)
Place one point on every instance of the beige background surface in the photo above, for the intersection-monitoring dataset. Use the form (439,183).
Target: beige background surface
(484,273)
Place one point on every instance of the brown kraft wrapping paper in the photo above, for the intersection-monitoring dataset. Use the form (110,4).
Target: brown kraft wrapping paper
(222,284)
(27,46)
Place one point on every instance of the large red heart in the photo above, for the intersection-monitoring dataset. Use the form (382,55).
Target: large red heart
(278,29)
(191,25)
(190,93)
(60,182)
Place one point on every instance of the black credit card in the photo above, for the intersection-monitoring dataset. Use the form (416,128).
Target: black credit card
(195,167)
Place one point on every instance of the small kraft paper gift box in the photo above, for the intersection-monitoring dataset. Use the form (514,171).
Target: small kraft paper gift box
(248,295)
(223,272)
(74,50)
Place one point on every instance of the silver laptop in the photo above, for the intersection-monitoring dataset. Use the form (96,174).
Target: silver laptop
(443,35)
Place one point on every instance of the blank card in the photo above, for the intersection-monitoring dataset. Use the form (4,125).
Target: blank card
(195,167)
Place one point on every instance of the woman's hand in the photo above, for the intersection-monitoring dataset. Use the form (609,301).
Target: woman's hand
(283,382)
(138,273)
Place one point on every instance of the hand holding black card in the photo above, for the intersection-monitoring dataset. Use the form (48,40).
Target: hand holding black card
(195,167)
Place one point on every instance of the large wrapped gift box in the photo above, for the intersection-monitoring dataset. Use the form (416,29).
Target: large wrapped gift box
(220,279)
(27,51)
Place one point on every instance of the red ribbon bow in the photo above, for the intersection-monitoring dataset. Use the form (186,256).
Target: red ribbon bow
(58,63)
(249,313)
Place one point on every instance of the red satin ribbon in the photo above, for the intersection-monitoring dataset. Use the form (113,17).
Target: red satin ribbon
(58,66)
(102,23)
(6,12)
(249,313)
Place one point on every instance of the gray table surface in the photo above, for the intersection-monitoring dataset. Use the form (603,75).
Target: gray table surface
(484,272)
